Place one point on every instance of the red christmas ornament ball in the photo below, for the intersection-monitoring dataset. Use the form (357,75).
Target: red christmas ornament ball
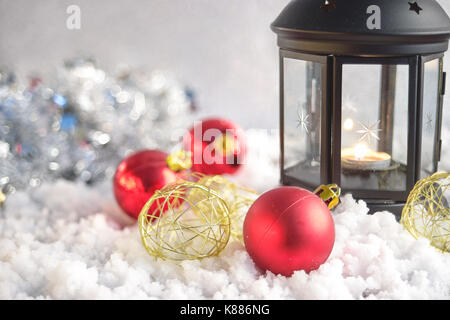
(288,229)
(138,176)
(218,146)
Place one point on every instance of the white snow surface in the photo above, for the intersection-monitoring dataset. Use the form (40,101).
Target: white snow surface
(66,240)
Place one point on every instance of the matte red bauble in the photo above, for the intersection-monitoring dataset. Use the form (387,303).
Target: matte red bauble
(288,229)
(138,177)
(217,146)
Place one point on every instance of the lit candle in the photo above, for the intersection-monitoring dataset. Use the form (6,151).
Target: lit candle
(362,158)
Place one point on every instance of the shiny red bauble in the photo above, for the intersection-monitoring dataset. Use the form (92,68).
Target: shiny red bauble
(138,176)
(288,229)
(217,145)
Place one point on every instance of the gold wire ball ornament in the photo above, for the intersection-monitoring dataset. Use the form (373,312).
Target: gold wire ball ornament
(184,227)
(427,212)
(2,198)
(238,198)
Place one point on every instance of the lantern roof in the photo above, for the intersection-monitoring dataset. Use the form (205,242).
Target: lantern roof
(363,27)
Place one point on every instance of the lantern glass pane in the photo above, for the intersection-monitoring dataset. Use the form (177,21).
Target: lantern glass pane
(429,116)
(302,112)
(374,127)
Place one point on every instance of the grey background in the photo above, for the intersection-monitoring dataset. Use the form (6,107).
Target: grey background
(223,49)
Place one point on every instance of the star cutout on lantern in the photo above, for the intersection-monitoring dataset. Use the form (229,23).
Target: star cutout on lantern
(414,6)
(328,5)
(302,120)
(369,131)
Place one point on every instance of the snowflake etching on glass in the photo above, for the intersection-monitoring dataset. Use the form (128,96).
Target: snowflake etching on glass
(429,122)
(369,131)
(302,120)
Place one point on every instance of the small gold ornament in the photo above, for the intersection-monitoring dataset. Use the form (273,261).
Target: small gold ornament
(179,160)
(427,212)
(185,226)
(225,144)
(2,197)
(329,194)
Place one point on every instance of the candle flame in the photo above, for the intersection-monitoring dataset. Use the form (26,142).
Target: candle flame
(361,150)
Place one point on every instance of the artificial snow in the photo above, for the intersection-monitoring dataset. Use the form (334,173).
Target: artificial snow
(66,240)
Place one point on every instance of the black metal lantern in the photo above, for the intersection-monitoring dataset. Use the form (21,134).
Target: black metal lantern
(361,93)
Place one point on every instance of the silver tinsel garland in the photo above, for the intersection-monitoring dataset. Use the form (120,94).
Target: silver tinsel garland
(82,127)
